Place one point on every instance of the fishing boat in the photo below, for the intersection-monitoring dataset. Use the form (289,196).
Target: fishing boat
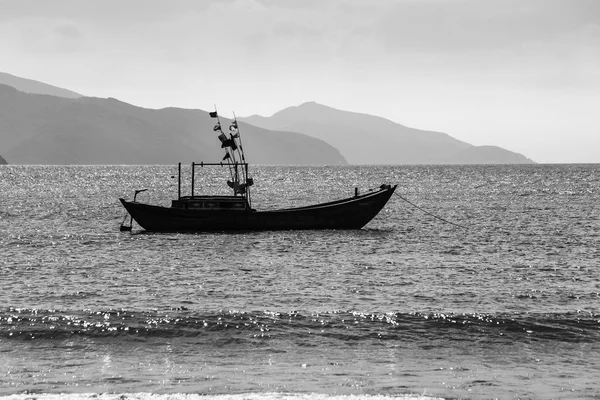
(198,213)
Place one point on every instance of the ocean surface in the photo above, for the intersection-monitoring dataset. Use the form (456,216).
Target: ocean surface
(491,289)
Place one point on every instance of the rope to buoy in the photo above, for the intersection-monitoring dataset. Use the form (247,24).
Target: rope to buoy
(427,212)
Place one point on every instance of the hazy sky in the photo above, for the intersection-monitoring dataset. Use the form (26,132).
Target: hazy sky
(520,74)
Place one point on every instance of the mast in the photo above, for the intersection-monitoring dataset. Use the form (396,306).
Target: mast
(233,152)
(234,132)
(222,137)
(193,175)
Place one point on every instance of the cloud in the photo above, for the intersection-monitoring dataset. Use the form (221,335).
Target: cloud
(466,25)
(68,30)
(569,61)
(101,10)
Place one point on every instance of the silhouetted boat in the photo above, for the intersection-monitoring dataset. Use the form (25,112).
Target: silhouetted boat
(234,213)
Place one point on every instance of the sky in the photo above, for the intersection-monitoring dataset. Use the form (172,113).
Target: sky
(520,74)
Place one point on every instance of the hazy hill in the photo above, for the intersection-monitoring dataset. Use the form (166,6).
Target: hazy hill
(2,161)
(42,129)
(367,139)
(50,125)
(31,86)
(487,155)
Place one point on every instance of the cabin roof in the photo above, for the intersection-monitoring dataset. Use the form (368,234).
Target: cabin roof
(214,198)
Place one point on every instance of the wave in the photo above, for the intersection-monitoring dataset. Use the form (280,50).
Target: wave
(185,396)
(36,324)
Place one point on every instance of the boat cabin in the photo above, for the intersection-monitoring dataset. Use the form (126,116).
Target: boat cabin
(228,203)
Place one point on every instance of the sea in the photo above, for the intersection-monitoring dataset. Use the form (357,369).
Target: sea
(474,282)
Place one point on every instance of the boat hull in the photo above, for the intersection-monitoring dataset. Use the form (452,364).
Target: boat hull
(351,213)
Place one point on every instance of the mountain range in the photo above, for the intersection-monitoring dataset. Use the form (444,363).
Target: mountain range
(368,139)
(44,124)
(31,86)
(43,129)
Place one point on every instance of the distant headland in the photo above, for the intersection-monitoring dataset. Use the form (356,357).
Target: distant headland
(45,124)
(368,139)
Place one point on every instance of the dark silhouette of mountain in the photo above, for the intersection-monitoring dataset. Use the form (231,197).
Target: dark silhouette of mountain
(42,129)
(2,161)
(31,86)
(367,139)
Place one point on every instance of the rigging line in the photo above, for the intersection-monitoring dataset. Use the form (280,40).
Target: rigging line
(240,149)
(427,212)
(226,150)
(229,164)
(231,156)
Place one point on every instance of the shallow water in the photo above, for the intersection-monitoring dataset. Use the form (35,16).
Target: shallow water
(507,308)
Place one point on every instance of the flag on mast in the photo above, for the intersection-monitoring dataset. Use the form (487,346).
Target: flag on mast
(213,114)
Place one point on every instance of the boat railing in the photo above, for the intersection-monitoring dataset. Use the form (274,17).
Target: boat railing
(238,189)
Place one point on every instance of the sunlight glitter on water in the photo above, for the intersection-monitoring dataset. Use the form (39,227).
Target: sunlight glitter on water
(184,396)
(506,309)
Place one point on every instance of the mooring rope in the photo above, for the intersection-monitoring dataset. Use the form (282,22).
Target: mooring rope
(427,212)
